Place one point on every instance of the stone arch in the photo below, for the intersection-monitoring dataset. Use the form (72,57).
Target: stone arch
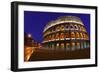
(49,37)
(81,35)
(57,29)
(62,27)
(62,46)
(67,46)
(61,35)
(72,34)
(77,35)
(71,27)
(72,46)
(57,36)
(76,27)
(66,27)
(67,35)
(78,45)
(52,38)
(57,46)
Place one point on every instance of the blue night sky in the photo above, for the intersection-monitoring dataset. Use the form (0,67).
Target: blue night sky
(34,22)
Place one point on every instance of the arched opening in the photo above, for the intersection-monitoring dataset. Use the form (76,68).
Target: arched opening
(81,35)
(72,35)
(48,32)
(72,46)
(62,27)
(86,37)
(79,27)
(57,29)
(49,37)
(62,46)
(78,45)
(52,38)
(57,36)
(76,27)
(57,46)
(71,27)
(67,46)
(67,27)
(85,46)
(67,35)
(77,35)
(61,36)
(53,46)
(82,45)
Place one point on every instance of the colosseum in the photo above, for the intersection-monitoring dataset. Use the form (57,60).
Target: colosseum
(66,33)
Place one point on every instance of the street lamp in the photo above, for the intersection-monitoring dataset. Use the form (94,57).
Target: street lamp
(29,35)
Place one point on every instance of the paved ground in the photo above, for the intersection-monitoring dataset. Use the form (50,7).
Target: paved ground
(42,55)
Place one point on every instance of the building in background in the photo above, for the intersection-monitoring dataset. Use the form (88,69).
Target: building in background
(29,46)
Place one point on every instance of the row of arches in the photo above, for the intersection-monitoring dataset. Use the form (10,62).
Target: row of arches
(65,35)
(67,26)
(67,46)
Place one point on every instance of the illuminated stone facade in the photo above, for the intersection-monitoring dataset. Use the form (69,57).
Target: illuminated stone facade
(66,33)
